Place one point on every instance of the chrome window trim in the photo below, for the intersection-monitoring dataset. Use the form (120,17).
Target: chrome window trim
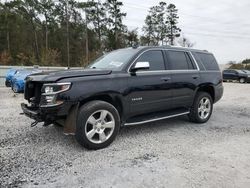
(194,60)
(168,71)
(159,71)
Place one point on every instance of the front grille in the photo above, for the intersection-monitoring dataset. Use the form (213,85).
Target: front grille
(32,92)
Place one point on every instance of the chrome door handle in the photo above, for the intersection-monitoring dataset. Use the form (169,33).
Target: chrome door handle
(165,79)
(195,76)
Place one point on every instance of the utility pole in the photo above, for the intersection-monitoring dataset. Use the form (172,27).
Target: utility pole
(7,27)
(67,27)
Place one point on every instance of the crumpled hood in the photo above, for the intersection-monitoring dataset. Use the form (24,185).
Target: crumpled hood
(58,75)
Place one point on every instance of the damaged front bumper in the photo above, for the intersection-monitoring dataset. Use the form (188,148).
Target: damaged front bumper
(49,115)
(31,112)
(46,114)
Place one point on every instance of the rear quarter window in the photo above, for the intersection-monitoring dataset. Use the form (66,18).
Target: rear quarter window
(206,61)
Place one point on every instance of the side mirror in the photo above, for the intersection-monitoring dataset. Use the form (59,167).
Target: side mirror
(140,66)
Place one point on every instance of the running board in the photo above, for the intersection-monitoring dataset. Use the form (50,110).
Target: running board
(157,118)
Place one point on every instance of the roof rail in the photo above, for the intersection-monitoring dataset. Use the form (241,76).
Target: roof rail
(166,45)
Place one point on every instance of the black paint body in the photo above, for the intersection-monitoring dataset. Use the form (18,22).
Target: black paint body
(132,93)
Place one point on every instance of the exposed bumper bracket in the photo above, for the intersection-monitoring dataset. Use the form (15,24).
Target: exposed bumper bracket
(34,123)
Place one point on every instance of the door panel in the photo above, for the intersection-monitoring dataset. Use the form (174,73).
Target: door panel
(185,78)
(184,84)
(149,92)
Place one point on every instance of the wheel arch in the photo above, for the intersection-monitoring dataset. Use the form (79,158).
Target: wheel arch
(208,88)
(113,99)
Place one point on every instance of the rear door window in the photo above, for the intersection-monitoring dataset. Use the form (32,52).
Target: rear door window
(179,60)
(208,61)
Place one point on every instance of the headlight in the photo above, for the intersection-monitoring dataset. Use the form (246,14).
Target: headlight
(50,91)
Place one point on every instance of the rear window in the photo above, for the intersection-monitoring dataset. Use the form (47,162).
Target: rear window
(206,61)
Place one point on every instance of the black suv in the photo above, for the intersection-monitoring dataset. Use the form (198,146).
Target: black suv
(125,87)
(236,75)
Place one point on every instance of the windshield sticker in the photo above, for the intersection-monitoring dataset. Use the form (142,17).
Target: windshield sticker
(116,63)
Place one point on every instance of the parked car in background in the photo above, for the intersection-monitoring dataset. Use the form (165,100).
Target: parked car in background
(246,71)
(9,76)
(236,75)
(18,80)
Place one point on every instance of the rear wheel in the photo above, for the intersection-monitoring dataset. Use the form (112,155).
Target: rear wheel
(202,108)
(98,124)
(242,80)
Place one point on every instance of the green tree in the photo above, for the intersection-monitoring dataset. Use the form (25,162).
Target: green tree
(148,30)
(97,16)
(185,42)
(246,62)
(173,21)
(161,25)
(132,37)
(115,26)
(30,10)
(47,9)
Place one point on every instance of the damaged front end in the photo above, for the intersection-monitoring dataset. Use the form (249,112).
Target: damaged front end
(48,103)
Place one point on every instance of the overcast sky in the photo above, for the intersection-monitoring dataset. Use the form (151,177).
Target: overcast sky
(219,26)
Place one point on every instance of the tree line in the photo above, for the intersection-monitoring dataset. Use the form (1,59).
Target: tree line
(73,33)
(245,64)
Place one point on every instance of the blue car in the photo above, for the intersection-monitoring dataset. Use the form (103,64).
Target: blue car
(9,76)
(18,80)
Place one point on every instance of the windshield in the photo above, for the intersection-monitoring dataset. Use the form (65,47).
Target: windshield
(241,71)
(246,71)
(114,60)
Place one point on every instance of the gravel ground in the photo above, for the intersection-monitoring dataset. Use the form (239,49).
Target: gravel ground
(169,153)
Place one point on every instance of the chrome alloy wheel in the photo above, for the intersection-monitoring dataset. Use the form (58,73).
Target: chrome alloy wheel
(99,126)
(204,108)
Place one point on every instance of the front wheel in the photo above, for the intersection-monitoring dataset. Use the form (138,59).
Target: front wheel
(98,124)
(15,88)
(202,108)
(242,80)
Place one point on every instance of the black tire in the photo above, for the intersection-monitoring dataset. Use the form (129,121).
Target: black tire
(194,115)
(7,84)
(87,111)
(13,88)
(242,80)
